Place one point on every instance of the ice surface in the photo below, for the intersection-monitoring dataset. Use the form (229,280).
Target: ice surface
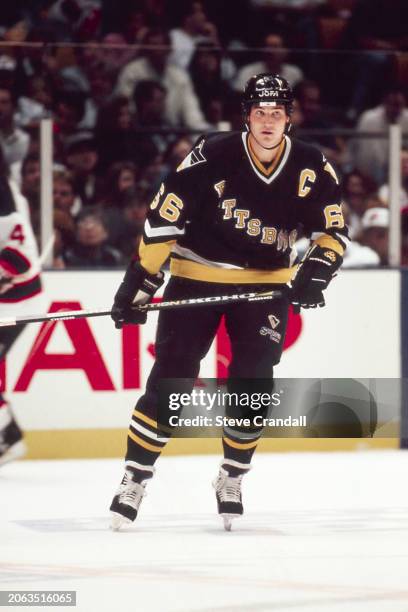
(321,532)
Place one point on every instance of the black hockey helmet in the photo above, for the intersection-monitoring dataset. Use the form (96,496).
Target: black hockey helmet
(267,88)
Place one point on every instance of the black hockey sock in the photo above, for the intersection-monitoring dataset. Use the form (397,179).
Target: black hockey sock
(238,451)
(145,441)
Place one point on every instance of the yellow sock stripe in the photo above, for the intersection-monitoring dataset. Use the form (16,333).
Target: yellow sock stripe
(240,445)
(145,418)
(146,445)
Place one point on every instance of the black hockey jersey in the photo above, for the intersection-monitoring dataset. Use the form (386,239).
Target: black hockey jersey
(227,217)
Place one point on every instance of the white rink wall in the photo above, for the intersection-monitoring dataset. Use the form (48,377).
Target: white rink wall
(85,375)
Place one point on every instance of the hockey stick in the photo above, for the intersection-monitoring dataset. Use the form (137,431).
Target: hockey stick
(187,303)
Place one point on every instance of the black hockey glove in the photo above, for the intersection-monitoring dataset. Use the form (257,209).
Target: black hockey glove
(314,274)
(136,288)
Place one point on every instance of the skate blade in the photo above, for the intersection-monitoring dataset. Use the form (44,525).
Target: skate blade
(228,518)
(119,521)
(16,451)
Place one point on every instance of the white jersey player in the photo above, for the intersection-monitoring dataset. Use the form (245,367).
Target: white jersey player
(20,291)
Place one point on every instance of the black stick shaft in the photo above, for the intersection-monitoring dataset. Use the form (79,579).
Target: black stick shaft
(187,303)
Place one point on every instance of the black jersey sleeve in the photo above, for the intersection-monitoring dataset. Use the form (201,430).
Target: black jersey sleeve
(173,207)
(174,204)
(322,214)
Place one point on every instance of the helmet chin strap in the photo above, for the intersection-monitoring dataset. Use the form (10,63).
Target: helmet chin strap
(267,148)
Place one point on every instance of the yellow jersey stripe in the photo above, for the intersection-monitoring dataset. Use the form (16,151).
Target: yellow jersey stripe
(152,256)
(196,271)
(328,242)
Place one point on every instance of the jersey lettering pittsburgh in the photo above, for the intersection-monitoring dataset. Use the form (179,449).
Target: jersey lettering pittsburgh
(226,217)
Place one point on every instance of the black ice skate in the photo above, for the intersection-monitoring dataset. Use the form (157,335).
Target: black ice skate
(126,503)
(11,437)
(227,487)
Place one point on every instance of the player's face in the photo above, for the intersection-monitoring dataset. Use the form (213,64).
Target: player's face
(267,124)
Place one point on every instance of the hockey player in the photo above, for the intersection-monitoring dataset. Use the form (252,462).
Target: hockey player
(229,219)
(20,291)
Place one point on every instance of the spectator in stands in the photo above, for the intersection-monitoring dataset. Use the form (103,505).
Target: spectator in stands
(370,155)
(357,188)
(150,104)
(38,56)
(182,106)
(92,78)
(133,21)
(272,59)
(115,134)
(64,193)
(8,69)
(14,142)
(30,186)
(64,236)
(125,223)
(176,153)
(296,118)
(91,248)
(384,191)
(120,179)
(53,18)
(205,71)
(357,255)
(69,111)
(152,171)
(193,27)
(82,161)
(36,104)
(101,84)
(374,234)
(308,95)
(114,53)
(135,211)
(375,28)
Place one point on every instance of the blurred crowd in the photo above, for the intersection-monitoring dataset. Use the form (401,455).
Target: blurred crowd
(130,86)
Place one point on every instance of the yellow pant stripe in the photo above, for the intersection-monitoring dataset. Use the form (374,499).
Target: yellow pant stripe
(146,445)
(240,445)
(145,418)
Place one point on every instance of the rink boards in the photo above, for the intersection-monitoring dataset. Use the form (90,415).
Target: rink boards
(73,384)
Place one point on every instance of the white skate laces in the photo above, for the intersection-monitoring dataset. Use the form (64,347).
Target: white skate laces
(228,487)
(126,503)
(131,493)
(228,492)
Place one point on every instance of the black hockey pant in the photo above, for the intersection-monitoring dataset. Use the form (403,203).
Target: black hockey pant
(256,331)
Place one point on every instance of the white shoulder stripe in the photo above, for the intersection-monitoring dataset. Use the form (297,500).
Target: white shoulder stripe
(168,230)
